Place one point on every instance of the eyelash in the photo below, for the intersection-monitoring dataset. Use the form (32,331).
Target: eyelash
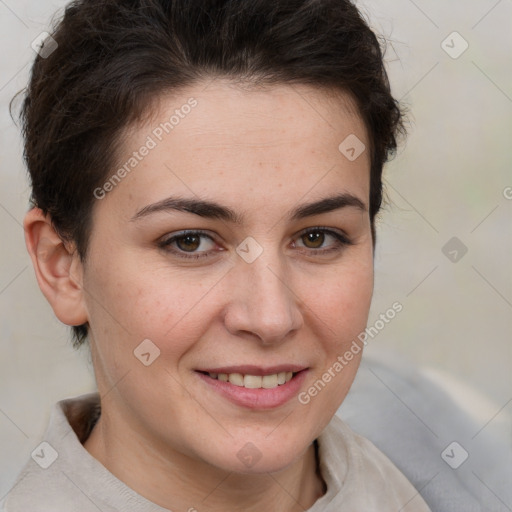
(341,241)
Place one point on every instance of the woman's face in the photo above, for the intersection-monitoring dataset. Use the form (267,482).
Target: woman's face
(276,276)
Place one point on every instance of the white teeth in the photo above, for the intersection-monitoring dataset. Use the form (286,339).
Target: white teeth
(269,381)
(254,381)
(236,378)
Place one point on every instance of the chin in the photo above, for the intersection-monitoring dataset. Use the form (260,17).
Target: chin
(259,455)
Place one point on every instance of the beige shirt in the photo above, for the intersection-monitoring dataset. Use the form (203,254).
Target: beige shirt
(62,476)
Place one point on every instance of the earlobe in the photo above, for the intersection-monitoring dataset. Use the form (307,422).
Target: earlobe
(58,268)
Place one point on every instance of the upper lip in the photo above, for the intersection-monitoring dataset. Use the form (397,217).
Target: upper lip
(249,369)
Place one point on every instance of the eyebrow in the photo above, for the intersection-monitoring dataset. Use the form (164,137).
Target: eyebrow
(212,210)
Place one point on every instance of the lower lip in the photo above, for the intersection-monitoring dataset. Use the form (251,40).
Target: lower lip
(257,398)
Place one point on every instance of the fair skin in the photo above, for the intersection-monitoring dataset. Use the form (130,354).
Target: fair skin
(297,306)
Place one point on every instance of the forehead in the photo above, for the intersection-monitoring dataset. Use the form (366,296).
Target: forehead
(247,145)
(278,116)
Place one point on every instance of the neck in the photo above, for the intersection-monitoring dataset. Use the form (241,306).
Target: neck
(171,479)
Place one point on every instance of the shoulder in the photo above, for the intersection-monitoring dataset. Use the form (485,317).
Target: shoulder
(363,475)
(379,476)
(417,421)
(46,490)
(50,480)
(62,475)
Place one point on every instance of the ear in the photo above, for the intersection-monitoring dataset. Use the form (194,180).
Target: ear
(58,269)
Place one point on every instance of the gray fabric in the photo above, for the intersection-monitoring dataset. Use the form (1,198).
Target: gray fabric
(358,476)
(412,421)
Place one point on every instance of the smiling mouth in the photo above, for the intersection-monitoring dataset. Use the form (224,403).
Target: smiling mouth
(253,381)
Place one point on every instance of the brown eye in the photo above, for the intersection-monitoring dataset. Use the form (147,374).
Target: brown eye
(194,244)
(188,243)
(313,239)
(322,241)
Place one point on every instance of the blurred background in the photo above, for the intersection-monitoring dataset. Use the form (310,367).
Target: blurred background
(444,237)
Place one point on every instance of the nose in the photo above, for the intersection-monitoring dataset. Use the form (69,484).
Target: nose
(262,303)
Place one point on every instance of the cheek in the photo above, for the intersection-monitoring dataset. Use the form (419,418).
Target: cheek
(341,300)
(139,301)
(338,315)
